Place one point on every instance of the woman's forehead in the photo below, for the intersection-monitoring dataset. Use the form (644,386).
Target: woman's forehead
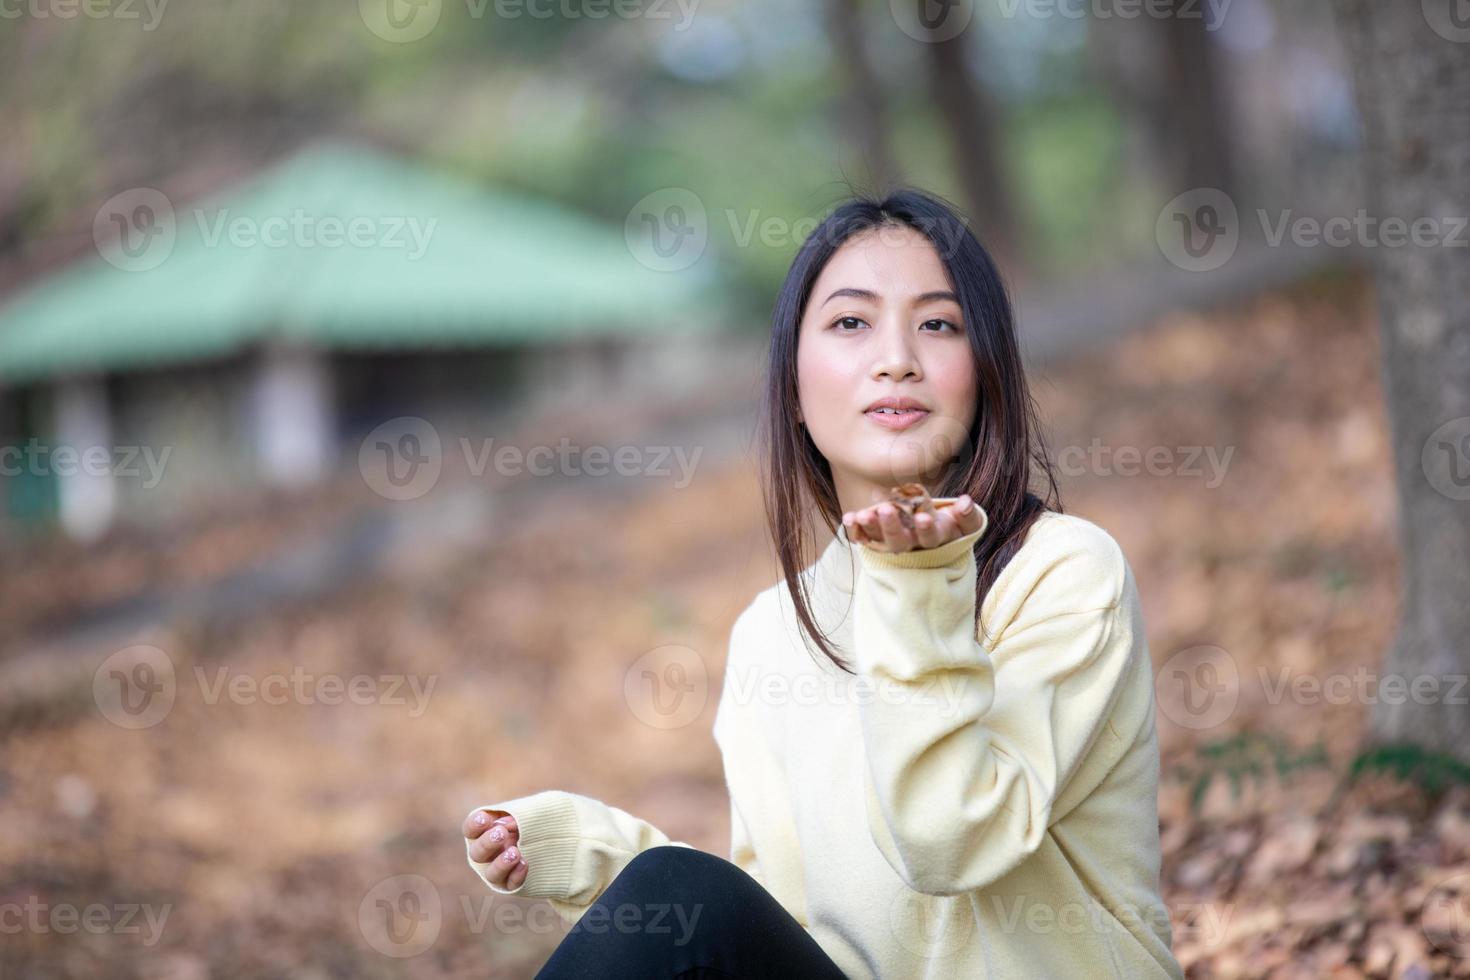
(890,265)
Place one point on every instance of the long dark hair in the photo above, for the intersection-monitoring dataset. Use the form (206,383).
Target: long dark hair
(993,465)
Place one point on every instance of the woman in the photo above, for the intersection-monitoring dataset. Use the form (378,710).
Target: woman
(961,779)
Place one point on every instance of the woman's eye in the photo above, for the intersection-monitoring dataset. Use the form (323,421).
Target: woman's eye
(845,320)
(942,324)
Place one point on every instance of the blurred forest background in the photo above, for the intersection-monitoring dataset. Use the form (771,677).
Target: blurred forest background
(294,297)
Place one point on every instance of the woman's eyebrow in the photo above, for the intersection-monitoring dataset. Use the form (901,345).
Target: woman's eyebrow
(868,294)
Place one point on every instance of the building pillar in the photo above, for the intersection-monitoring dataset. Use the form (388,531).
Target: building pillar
(82,457)
(293,415)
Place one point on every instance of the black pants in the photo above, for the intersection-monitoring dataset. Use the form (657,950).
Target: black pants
(676,913)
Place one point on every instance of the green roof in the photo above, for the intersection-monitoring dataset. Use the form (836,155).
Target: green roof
(365,252)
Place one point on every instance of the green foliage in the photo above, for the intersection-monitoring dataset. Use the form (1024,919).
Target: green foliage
(1432,772)
(1258,755)
(1066,159)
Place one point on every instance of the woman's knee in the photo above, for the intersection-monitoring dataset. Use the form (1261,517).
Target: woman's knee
(677,873)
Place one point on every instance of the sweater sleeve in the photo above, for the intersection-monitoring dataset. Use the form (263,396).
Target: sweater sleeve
(574,846)
(966,758)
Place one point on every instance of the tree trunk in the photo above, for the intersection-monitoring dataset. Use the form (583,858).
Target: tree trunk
(1413,90)
(1192,123)
(971,123)
(862,103)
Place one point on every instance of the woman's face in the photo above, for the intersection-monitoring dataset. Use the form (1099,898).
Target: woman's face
(882,321)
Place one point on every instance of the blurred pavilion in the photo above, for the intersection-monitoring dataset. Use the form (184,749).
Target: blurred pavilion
(255,333)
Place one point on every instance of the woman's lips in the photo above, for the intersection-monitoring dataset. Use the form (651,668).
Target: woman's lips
(901,420)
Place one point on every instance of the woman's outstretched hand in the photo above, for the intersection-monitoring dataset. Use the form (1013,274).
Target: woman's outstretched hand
(495,835)
(880,527)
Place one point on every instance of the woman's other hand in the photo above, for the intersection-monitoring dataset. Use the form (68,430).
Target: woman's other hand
(494,834)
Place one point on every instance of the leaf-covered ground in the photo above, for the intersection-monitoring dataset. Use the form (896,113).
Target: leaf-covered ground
(268,839)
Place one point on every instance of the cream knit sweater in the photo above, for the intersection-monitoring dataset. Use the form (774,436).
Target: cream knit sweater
(960,808)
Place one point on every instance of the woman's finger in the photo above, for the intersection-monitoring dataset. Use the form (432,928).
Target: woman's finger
(492,843)
(867,522)
(505,862)
(895,535)
(517,874)
(932,531)
(966,514)
(482,821)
